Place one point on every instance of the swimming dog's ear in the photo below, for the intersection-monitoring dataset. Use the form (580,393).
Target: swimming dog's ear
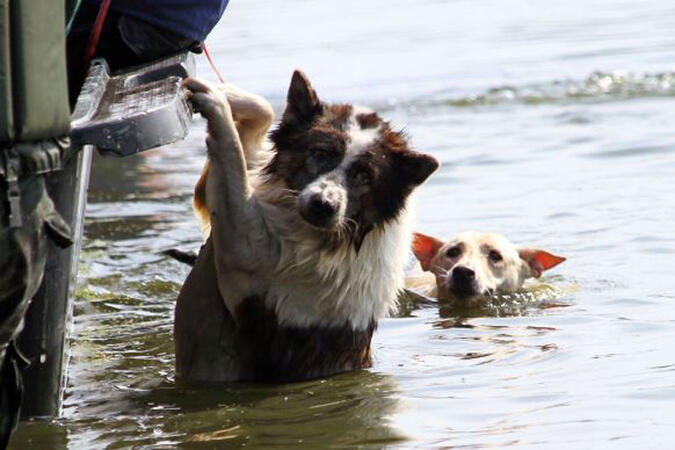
(539,260)
(302,102)
(416,167)
(425,248)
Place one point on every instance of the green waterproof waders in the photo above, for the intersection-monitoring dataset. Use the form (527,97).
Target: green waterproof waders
(27,220)
(34,110)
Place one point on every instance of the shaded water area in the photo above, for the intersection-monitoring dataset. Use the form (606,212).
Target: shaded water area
(554,124)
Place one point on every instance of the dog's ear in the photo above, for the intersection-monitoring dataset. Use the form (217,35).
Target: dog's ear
(416,167)
(539,260)
(425,248)
(302,102)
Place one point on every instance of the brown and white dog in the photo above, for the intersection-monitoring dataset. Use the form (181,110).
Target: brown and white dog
(307,239)
(474,265)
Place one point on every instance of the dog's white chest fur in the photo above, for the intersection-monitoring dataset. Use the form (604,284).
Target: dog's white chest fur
(340,286)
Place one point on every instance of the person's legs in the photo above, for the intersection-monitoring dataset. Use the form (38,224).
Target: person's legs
(23,251)
(124,42)
(110,46)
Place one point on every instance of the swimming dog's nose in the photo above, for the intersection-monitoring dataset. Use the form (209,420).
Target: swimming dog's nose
(463,274)
(463,282)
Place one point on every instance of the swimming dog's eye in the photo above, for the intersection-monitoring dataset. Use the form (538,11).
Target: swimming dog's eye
(453,252)
(495,256)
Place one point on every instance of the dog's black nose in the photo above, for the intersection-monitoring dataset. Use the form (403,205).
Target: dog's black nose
(463,274)
(463,284)
(320,208)
(318,211)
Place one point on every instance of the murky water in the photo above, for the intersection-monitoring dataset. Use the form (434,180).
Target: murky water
(554,123)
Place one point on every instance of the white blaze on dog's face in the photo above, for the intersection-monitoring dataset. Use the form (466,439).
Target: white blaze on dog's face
(476,264)
(350,171)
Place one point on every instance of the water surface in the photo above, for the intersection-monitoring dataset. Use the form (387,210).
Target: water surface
(554,124)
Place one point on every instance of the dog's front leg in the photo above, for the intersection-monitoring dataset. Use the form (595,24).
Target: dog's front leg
(253,116)
(237,228)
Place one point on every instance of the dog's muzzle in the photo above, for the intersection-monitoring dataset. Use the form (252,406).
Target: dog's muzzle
(463,282)
(322,204)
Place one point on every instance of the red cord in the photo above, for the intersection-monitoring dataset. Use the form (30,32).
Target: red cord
(96,33)
(213,66)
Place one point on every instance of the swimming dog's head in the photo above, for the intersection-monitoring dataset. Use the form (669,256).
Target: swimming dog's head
(473,265)
(347,169)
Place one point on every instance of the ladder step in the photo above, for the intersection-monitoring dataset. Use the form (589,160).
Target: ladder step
(135,110)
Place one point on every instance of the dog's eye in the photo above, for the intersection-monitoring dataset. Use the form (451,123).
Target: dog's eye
(319,156)
(362,178)
(453,252)
(319,159)
(495,256)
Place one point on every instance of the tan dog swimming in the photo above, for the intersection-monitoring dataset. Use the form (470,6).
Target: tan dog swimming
(475,265)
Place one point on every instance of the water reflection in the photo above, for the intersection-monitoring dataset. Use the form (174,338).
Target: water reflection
(346,410)
(38,434)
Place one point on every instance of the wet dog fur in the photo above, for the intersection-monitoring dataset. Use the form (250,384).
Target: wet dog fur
(473,265)
(307,239)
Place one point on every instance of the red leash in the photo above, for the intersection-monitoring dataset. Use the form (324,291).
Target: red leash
(96,33)
(213,66)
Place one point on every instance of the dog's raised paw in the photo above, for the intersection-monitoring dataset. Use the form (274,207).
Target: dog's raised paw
(205,100)
(196,85)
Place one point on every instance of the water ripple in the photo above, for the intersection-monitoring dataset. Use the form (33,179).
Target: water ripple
(600,86)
